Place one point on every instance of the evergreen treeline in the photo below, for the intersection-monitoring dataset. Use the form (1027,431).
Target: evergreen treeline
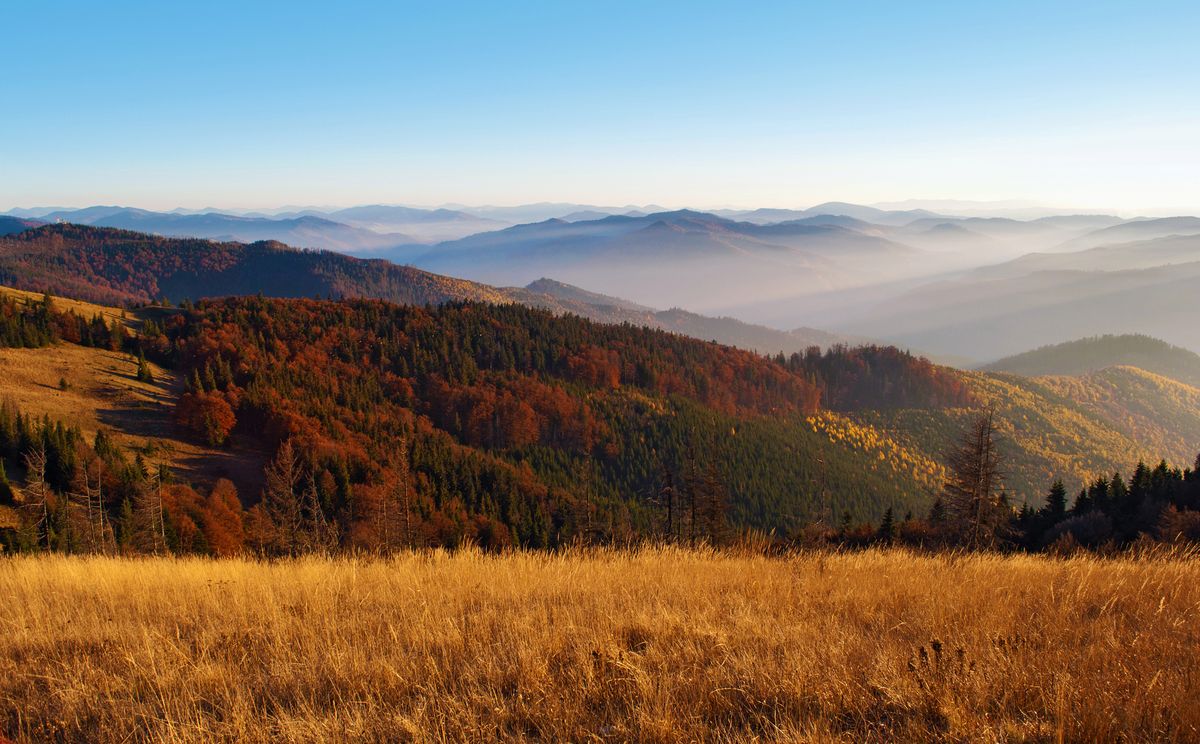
(1156,504)
(80,496)
(27,323)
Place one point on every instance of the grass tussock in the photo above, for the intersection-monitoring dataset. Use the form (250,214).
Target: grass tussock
(653,645)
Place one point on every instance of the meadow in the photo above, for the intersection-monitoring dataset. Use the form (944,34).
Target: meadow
(647,645)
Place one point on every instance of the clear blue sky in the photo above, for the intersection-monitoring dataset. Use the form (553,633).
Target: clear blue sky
(705,104)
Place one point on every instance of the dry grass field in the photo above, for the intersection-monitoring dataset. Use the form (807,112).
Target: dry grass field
(652,645)
(84,309)
(103,392)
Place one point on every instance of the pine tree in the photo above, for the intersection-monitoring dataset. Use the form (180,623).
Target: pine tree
(844,522)
(937,512)
(6,490)
(1056,503)
(887,528)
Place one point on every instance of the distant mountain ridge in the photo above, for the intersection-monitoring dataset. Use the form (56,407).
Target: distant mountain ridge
(111,266)
(682,258)
(11,225)
(304,231)
(1135,230)
(1102,352)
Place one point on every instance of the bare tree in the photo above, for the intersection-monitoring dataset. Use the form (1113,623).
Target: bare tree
(36,494)
(668,496)
(585,516)
(713,496)
(94,534)
(393,517)
(148,514)
(281,500)
(973,492)
(319,534)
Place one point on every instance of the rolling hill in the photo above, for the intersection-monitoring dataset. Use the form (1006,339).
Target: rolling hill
(121,267)
(12,225)
(1101,352)
(1142,254)
(878,418)
(509,425)
(1133,231)
(416,224)
(304,231)
(517,419)
(684,258)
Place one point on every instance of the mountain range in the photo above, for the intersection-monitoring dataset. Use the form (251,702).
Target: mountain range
(961,288)
(683,258)
(111,266)
(878,417)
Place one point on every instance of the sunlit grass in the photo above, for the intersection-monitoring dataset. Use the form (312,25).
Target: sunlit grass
(649,645)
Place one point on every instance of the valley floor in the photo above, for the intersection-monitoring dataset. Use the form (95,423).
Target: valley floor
(649,645)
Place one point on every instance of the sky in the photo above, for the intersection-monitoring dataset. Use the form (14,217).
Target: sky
(262,104)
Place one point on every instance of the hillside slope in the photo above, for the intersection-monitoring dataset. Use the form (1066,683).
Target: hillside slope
(1100,352)
(520,426)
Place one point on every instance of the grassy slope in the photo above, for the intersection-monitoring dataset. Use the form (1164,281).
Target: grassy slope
(104,393)
(650,646)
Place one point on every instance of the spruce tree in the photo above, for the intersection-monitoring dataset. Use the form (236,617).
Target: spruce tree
(937,512)
(887,528)
(1056,503)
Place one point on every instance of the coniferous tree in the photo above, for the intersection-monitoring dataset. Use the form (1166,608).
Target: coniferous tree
(937,512)
(143,369)
(1056,503)
(6,490)
(887,528)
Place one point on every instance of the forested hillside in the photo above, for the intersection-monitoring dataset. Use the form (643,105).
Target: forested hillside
(505,424)
(543,424)
(116,267)
(1100,352)
(387,424)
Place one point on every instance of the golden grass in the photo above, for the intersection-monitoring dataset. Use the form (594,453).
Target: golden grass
(100,383)
(103,392)
(649,645)
(83,309)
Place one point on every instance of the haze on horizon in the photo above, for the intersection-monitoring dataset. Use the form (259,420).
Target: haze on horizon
(782,105)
